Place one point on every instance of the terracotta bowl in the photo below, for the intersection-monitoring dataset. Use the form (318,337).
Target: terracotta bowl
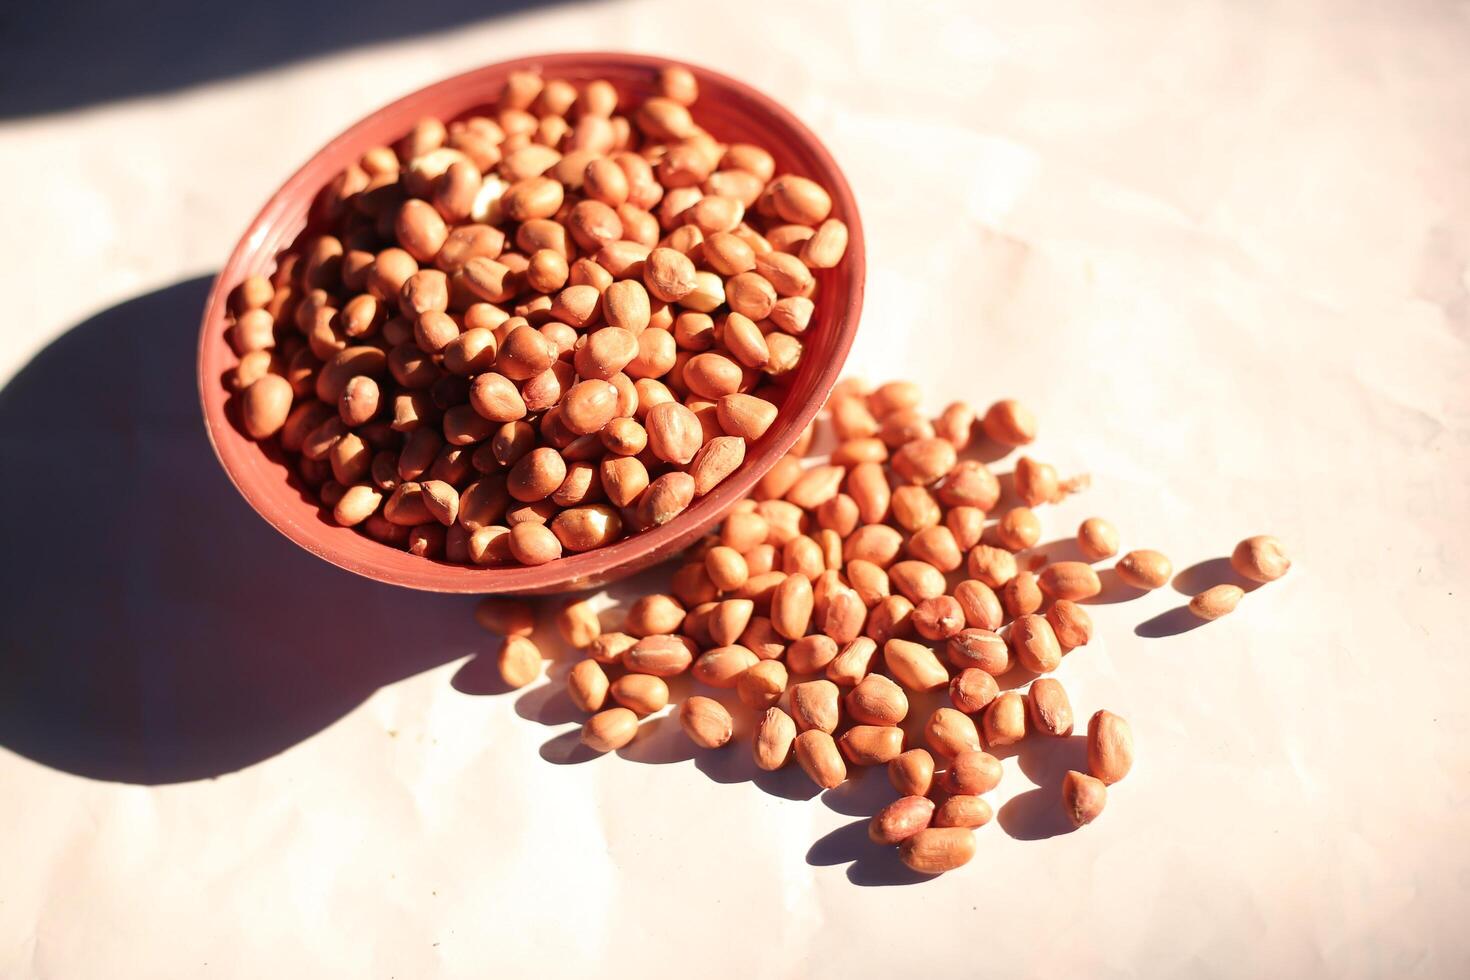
(732,112)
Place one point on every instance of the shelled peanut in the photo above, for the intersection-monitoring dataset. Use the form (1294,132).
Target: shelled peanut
(849,589)
(523,334)
(845,588)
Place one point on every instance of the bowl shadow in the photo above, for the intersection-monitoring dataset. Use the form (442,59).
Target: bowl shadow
(156,630)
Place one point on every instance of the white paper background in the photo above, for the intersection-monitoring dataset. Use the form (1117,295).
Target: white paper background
(1222,249)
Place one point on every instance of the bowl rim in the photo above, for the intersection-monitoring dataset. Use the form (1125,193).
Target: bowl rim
(578,570)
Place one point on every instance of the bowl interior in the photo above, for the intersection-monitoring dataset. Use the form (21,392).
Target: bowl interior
(729,110)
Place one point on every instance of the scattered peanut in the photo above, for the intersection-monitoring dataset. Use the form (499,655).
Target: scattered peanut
(912,772)
(1097,539)
(1083,797)
(1004,720)
(817,754)
(871,745)
(520,661)
(1035,644)
(1144,569)
(643,694)
(900,820)
(1070,622)
(876,700)
(1051,710)
(824,599)
(1070,580)
(1109,747)
(774,739)
(972,772)
(1260,559)
(935,850)
(506,617)
(814,705)
(1216,601)
(950,732)
(972,689)
(578,624)
(587,685)
(962,811)
(1009,423)
(610,729)
(706,722)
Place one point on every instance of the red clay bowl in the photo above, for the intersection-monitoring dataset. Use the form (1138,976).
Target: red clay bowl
(731,111)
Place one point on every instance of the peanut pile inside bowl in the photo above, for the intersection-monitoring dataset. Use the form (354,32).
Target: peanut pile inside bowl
(536,330)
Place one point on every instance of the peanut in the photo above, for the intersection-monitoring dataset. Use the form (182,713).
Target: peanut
(505,617)
(1004,720)
(610,729)
(1018,529)
(520,661)
(1050,709)
(914,666)
(962,811)
(1021,596)
(817,754)
(706,722)
(982,649)
(1260,559)
(972,772)
(876,700)
(1144,569)
(871,745)
(972,689)
(722,667)
(991,566)
(1083,797)
(1109,747)
(265,405)
(1216,601)
(1097,539)
(811,654)
(662,656)
(587,685)
(1009,423)
(853,662)
(900,820)
(1071,580)
(912,772)
(938,618)
(814,705)
(979,604)
(774,739)
(791,606)
(935,850)
(950,732)
(1034,643)
(643,694)
(1070,622)
(762,684)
